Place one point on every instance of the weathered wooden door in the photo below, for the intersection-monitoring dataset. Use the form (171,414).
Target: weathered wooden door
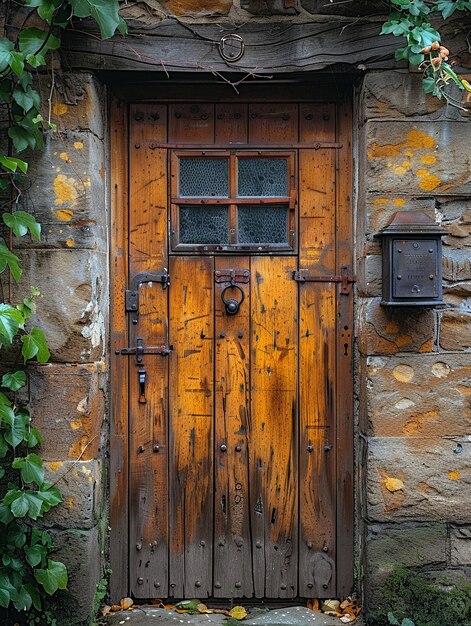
(237,370)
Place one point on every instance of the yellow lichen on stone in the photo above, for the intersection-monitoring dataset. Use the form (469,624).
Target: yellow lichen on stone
(399,201)
(65,215)
(59,108)
(71,502)
(428,159)
(56,465)
(428,183)
(64,189)
(64,156)
(76,424)
(421,173)
(78,145)
(70,242)
(403,373)
(380,201)
(454,475)
(398,169)
(393,484)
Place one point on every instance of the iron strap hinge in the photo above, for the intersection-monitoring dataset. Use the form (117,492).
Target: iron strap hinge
(141,349)
(131,300)
(346,279)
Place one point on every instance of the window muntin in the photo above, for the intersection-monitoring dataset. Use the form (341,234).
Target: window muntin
(230,201)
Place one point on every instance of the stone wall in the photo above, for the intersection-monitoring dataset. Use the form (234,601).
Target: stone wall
(415,365)
(70,267)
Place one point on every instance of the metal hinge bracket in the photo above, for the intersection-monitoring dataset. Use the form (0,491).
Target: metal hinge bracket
(345,279)
(131,296)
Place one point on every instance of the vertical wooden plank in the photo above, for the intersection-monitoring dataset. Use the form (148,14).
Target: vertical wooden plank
(191,123)
(273,433)
(232,545)
(191,410)
(273,123)
(317,356)
(317,190)
(345,504)
(148,522)
(317,374)
(119,365)
(231,123)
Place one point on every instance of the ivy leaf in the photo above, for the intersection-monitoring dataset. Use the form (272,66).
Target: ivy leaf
(14,380)
(13,163)
(20,138)
(26,98)
(20,506)
(3,446)
(20,222)
(17,535)
(8,258)
(32,40)
(22,601)
(16,62)
(4,399)
(6,46)
(31,468)
(428,84)
(34,554)
(5,516)
(50,495)
(104,12)
(11,321)
(34,345)
(34,593)
(15,425)
(4,596)
(52,578)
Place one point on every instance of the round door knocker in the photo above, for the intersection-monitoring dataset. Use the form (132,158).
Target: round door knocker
(231,47)
(232,305)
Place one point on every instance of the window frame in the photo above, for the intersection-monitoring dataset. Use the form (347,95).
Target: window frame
(232,201)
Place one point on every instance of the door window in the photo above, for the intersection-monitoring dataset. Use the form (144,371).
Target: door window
(233,201)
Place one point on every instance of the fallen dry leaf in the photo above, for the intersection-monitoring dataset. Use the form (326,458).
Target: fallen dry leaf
(125,603)
(238,612)
(330,607)
(202,608)
(106,610)
(115,608)
(347,619)
(313,604)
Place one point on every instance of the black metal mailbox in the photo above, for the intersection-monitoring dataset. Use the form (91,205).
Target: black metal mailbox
(412,260)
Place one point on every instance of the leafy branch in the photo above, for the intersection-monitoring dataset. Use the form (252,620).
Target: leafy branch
(28,574)
(413,19)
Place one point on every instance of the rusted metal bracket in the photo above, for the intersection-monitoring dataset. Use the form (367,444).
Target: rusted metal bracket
(232,276)
(131,300)
(346,279)
(141,349)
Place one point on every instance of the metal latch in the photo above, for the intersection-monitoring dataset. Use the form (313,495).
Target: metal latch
(141,349)
(131,301)
(232,276)
(346,279)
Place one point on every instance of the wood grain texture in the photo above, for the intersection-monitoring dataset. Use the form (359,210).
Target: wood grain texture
(232,545)
(148,446)
(345,494)
(231,123)
(191,123)
(119,338)
(191,427)
(317,190)
(273,432)
(273,123)
(281,48)
(317,485)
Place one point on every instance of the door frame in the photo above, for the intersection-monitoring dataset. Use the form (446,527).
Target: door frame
(299,91)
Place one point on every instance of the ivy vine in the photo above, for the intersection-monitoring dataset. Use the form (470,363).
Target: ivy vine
(28,573)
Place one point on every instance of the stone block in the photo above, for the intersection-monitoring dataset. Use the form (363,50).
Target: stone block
(380,209)
(357,8)
(460,540)
(455,330)
(396,95)
(419,396)
(409,546)
(418,479)
(67,193)
(78,102)
(72,307)
(270,7)
(370,272)
(80,551)
(425,158)
(389,330)
(456,265)
(67,406)
(80,483)
(197,8)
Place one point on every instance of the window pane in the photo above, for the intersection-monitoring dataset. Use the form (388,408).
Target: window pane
(263,177)
(203,224)
(204,177)
(263,224)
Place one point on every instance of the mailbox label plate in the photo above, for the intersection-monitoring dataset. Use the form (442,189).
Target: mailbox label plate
(415,273)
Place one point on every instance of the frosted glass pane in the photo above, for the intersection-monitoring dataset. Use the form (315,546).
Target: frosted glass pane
(203,224)
(202,177)
(263,177)
(263,224)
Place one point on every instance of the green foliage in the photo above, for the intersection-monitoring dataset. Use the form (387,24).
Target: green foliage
(28,574)
(412,19)
(408,599)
